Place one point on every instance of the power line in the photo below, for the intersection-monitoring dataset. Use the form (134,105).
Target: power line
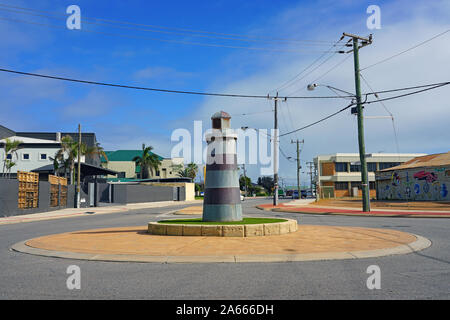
(216,45)
(331,69)
(404,51)
(153,89)
(250,113)
(384,106)
(318,121)
(368,102)
(285,84)
(191,32)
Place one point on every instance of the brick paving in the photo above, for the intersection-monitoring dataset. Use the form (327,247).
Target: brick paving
(308,239)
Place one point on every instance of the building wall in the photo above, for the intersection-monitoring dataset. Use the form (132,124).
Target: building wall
(33,163)
(166,170)
(129,167)
(428,183)
(327,169)
(126,193)
(328,176)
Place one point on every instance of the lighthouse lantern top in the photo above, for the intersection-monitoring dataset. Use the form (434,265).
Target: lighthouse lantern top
(221,120)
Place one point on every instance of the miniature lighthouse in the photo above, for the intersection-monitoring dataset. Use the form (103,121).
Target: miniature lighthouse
(222,200)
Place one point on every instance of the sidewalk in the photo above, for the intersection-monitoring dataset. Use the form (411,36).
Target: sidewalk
(75,212)
(305,207)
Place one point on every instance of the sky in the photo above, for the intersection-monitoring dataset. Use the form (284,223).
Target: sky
(120,53)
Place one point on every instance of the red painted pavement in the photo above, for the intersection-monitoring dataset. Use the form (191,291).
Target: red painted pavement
(306,209)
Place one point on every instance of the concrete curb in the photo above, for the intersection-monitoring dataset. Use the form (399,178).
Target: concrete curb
(419,244)
(393,215)
(242,230)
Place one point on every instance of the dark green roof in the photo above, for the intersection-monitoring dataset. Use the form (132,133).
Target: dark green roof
(124,155)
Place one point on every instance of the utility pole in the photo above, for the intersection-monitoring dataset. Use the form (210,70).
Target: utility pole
(245,180)
(79,168)
(359,108)
(299,187)
(310,165)
(275,153)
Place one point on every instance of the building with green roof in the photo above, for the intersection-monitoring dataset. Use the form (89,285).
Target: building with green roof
(122,161)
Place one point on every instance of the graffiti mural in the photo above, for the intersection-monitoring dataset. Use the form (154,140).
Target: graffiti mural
(414,184)
(428,176)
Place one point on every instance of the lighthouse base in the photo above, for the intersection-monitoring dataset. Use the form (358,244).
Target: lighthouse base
(222,212)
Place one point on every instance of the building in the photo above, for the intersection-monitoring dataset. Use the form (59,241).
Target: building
(337,175)
(122,162)
(421,178)
(38,149)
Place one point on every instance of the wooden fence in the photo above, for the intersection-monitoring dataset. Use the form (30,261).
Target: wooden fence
(58,191)
(28,190)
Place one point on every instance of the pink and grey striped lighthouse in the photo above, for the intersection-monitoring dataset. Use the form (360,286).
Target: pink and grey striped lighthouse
(222,200)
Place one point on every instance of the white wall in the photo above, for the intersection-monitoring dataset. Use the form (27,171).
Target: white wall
(33,163)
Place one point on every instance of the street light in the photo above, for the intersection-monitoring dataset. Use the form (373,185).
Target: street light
(362,154)
(313,86)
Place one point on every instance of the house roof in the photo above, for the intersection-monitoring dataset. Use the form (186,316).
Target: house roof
(124,155)
(29,140)
(86,170)
(432,160)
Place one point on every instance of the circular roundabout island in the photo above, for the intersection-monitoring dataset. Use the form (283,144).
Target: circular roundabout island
(247,227)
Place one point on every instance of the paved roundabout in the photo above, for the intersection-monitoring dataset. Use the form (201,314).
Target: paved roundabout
(308,243)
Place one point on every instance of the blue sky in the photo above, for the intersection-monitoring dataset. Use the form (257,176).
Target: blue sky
(123,119)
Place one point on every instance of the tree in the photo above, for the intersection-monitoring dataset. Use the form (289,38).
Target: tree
(67,154)
(245,183)
(148,161)
(267,183)
(10,147)
(189,172)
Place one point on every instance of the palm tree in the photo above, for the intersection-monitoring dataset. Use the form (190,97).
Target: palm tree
(9,165)
(148,161)
(189,172)
(94,151)
(68,153)
(10,147)
(192,169)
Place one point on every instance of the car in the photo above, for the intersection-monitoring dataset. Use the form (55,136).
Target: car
(304,194)
(242,198)
(295,194)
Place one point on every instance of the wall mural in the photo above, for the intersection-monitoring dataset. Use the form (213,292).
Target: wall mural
(414,184)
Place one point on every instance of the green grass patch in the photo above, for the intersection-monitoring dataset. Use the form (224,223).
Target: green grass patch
(198,197)
(244,221)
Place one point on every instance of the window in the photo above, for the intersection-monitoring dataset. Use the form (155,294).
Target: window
(385,165)
(157,173)
(42,156)
(25,156)
(372,185)
(355,168)
(341,185)
(340,166)
(356,184)
(371,166)
(9,156)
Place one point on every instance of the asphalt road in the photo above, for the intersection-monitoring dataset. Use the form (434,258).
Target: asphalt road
(421,275)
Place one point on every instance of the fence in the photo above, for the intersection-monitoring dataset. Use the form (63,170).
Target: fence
(58,191)
(28,195)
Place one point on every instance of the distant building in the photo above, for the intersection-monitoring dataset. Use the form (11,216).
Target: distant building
(337,175)
(421,178)
(122,162)
(39,148)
